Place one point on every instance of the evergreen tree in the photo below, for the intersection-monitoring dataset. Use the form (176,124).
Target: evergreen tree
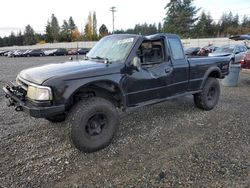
(245,26)
(55,29)
(65,35)
(180,17)
(48,33)
(12,39)
(159,29)
(19,40)
(29,36)
(204,27)
(103,31)
(71,24)
(144,29)
(235,21)
(1,42)
(228,24)
(52,30)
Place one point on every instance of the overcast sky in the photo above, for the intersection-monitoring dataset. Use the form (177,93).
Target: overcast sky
(16,14)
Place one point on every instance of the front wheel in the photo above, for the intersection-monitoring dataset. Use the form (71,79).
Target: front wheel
(93,122)
(208,98)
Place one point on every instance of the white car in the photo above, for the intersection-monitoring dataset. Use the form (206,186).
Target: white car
(49,52)
(236,52)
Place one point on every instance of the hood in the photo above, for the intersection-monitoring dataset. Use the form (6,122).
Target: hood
(219,54)
(40,74)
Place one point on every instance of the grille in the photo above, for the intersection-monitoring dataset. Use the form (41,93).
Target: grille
(20,82)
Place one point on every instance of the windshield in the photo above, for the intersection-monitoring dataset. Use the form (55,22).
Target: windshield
(224,50)
(114,49)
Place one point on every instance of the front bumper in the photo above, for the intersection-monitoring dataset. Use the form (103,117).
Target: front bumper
(24,105)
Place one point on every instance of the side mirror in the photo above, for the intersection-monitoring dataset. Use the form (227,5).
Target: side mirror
(136,63)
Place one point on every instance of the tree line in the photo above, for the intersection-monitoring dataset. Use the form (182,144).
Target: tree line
(67,32)
(181,18)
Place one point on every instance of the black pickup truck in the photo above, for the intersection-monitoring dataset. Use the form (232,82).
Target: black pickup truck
(119,74)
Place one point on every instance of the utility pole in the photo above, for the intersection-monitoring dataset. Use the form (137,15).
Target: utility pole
(113,10)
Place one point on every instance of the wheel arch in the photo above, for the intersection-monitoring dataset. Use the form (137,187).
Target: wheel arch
(100,88)
(213,72)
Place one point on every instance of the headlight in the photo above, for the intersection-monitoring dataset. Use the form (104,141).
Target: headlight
(39,93)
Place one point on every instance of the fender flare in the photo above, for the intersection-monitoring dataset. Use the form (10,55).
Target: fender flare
(123,99)
(216,72)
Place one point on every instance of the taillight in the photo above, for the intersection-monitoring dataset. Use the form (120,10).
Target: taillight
(243,62)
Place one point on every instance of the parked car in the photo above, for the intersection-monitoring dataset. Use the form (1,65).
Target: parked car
(10,53)
(211,48)
(49,52)
(121,73)
(59,52)
(82,51)
(192,51)
(18,53)
(235,52)
(245,62)
(34,53)
(26,52)
(2,52)
(72,51)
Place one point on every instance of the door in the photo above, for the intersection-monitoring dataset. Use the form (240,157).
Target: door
(180,79)
(150,83)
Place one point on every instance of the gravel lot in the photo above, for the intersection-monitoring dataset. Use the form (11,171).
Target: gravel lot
(172,144)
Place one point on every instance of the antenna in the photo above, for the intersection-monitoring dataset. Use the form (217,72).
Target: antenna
(113,10)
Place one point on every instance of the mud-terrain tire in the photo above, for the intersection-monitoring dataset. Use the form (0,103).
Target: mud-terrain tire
(57,119)
(94,122)
(208,98)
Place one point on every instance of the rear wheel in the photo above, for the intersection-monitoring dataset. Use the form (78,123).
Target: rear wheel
(209,97)
(93,122)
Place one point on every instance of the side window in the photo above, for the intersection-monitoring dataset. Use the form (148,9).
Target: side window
(237,50)
(243,49)
(176,48)
(151,52)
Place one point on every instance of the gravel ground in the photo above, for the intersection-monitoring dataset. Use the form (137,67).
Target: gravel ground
(172,144)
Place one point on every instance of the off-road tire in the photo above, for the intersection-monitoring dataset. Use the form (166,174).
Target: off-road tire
(208,98)
(94,122)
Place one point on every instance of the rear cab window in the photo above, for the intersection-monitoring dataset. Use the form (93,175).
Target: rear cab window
(176,48)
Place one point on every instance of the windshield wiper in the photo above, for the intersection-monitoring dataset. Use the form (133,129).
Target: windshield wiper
(106,60)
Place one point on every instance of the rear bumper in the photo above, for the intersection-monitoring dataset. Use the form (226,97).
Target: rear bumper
(29,108)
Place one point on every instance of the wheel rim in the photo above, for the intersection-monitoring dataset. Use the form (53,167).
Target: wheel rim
(211,94)
(96,124)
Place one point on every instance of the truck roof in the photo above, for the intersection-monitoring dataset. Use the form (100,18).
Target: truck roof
(160,35)
(149,37)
